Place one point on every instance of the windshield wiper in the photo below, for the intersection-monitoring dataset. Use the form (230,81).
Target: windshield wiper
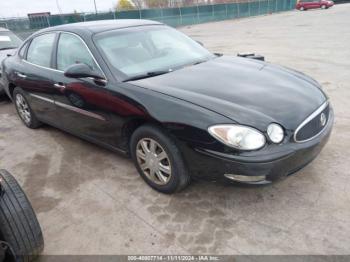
(148,74)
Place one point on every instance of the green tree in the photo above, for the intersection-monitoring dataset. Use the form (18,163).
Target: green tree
(124,5)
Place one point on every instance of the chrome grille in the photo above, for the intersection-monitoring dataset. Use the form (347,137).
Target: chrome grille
(313,125)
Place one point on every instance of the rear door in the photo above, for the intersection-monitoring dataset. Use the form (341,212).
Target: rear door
(33,74)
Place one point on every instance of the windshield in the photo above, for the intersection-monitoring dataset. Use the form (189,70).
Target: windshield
(150,49)
(9,40)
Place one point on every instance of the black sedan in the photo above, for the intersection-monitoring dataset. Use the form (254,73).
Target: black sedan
(146,90)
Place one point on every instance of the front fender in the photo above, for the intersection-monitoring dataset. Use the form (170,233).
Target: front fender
(186,121)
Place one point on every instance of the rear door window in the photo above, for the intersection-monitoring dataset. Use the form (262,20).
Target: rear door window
(40,50)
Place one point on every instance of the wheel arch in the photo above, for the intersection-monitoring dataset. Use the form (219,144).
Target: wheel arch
(130,127)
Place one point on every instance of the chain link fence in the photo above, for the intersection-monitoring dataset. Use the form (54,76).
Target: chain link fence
(173,16)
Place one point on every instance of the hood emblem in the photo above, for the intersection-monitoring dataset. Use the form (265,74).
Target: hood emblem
(323,119)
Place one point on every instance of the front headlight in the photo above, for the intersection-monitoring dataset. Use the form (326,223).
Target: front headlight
(239,137)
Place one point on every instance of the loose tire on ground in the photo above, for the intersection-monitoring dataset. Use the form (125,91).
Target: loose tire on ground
(19,226)
(180,177)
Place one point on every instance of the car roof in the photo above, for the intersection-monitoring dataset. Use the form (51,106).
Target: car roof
(93,27)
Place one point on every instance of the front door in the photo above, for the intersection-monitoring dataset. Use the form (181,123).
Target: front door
(81,103)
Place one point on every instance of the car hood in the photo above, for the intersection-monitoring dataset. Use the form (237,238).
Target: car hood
(247,91)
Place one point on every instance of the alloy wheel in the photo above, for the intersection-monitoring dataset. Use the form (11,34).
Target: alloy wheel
(153,161)
(23,109)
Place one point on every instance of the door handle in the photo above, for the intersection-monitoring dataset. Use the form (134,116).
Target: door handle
(60,86)
(21,75)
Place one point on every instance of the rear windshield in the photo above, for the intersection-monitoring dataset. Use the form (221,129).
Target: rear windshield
(9,40)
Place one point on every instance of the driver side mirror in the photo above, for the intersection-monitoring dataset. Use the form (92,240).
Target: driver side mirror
(81,71)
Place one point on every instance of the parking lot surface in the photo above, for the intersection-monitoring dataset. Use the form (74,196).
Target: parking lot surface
(92,201)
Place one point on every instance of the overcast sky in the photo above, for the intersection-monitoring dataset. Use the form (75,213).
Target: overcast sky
(14,8)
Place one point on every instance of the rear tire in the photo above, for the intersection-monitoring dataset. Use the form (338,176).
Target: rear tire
(175,177)
(323,7)
(24,110)
(19,226)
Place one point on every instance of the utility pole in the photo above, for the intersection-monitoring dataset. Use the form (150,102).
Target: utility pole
(58,7)
(95,7)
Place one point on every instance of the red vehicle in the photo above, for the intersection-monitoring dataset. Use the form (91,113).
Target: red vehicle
(311,4)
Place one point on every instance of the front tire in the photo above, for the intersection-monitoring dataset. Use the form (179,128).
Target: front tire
(158,160)
(323,7)
(24,110)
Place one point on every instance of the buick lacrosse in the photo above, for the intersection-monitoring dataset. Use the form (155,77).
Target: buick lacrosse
(146,90)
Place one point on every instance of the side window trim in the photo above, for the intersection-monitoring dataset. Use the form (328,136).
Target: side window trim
(24,47)
(55,50)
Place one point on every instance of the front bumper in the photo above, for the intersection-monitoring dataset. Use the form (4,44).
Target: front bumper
(211,165)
